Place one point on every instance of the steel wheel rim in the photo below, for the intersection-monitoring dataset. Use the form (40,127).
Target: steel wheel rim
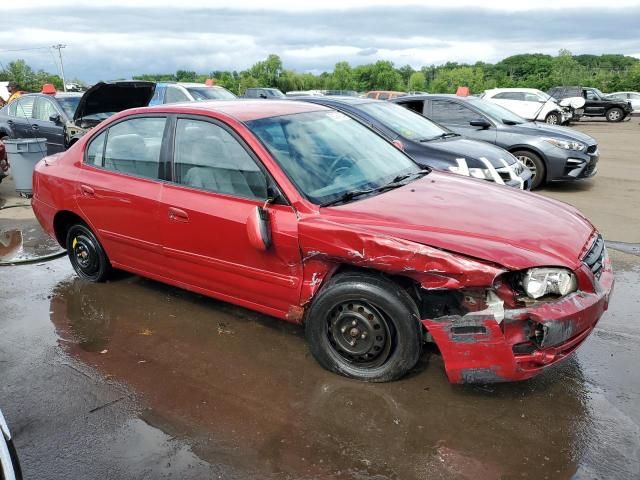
(359,333)
(614,115)
(85,255)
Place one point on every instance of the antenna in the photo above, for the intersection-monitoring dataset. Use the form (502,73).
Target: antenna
(59,47)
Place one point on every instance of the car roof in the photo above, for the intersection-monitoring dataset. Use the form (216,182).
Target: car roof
(241,109)
(512,89)
(56,95)
(338,99)
(434,95)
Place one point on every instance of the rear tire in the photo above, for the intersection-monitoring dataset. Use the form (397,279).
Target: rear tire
(534,163)
(364,326)
(553,118)
(615,114)
(86,254)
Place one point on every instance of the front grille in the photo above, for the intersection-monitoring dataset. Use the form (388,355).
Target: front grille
(592,149)
(594,258)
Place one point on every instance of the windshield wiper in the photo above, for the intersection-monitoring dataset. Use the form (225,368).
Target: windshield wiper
(395,183)
(438,137)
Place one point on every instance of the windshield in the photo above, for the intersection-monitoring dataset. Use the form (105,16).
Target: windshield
(69,104)
(497,113)
(210,93)
(545,96)
(402,121)
(327,154)
(598,92)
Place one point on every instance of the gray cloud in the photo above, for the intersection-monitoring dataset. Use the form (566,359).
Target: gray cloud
(110,43)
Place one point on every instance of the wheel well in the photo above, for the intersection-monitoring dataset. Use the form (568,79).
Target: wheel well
(62,222)
(530,150)
(3,133)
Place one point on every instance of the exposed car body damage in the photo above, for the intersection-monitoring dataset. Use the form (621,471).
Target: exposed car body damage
(453,249)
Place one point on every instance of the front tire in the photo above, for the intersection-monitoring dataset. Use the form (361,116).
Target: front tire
(364,326)
(615,115)
(534,163)
(553,118)
(86,254)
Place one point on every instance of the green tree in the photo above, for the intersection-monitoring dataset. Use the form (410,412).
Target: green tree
(342,77)
(267,71)
(417,82)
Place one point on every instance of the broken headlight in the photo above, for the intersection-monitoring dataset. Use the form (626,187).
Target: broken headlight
(538,282)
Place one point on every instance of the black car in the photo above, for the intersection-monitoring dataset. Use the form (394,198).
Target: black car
(551,152)
(596,104)
(62,118)
(430,144)
(267,93)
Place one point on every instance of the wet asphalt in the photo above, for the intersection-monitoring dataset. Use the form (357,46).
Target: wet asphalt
(133,379)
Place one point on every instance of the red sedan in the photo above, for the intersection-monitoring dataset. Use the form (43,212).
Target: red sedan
(301,212)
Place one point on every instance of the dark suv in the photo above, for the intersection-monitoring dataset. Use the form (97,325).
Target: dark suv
(596,104)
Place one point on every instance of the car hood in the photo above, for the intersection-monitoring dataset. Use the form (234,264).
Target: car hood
(113,97)
(460,147)
(557,131)
(505,226)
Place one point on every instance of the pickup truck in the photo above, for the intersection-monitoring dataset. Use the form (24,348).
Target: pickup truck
(596,104)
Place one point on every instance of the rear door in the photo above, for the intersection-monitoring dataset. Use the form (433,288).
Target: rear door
(44,127)
(118,189)
(456,117)
(513,101)
(217,184)
(20,124)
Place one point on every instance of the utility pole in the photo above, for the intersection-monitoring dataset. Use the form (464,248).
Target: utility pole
(59,47)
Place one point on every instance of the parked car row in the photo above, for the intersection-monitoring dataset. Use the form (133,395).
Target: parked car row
(314,215)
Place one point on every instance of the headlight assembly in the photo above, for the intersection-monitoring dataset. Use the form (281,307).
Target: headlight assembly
(566,144)
(538,282)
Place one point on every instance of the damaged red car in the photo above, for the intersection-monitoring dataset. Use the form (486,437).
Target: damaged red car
(302,213)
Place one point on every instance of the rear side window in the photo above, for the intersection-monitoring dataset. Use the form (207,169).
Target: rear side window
(133,147)
(445,111)
(95,151)
(509,96)
(24,107)
(208,157)
(174,95)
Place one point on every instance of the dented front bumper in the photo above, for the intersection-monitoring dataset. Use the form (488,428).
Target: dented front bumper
(481,348)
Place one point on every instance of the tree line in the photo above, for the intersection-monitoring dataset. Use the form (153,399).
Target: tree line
(608,72)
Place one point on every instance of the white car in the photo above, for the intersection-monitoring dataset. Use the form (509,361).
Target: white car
(632,97)
(529,103)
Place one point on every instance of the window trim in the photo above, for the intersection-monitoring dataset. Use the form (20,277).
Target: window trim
(162,167)
(281,198)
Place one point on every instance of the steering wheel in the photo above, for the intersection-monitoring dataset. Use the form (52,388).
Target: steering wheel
(334,170)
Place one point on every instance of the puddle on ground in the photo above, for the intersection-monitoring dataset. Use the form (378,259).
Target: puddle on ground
(24,240)
(242,389)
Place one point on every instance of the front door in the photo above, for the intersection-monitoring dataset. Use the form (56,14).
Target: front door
(53,132)
(217,184)
(118,189)
(456,117)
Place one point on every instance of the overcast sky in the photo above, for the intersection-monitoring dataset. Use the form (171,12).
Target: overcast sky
(160,36)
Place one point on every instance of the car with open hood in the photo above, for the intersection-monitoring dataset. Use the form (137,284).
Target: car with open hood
(550,152)
(303,213)
(430,144)
(62,118)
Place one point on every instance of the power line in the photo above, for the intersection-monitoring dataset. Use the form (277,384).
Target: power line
(23,49)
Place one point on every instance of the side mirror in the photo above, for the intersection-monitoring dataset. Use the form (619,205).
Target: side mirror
(480,122)
(55,118)
(259,229)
